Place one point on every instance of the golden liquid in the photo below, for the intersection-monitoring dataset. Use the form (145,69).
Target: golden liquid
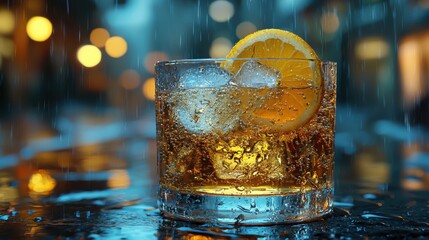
(235,153)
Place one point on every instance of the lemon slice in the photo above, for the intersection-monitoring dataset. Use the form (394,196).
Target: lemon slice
(299,93)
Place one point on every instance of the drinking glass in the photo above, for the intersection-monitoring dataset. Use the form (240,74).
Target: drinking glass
(248,141)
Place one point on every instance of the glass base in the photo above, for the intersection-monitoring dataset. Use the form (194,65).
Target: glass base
(246,210)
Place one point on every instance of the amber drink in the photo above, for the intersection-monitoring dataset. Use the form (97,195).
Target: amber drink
(248,145)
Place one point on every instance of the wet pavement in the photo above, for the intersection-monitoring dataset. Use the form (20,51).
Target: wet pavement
(117,214)
(61,187)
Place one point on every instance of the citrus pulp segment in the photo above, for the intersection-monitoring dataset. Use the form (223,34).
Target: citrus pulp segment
(299,92)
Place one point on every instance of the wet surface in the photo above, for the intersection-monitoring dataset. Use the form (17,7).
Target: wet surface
(383,215)
(106,189)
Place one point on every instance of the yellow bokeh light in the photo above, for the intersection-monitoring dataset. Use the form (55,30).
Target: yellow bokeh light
(372,48)
(220,47)
(330,22)
(99,36)
(39,28)
(116,46)
(129,79)
(7,21)
(152,58)
(245,28)
(41,182)
(410,66)
(149,89)
(89,55)
(221,10)
(118,178)
(7,47)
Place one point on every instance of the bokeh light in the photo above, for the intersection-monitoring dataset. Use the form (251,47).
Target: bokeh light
(118,178)
(99,36)
(129,79)
(245,28)
(372,48)
(8,193)
(7,21)
(41,182)
(148,89)
(410,66)
(116,47)
(89,55)
(221,10)
(152,58)
(423,3)
(329,22)
(7,47)
(220,47)
(39,28)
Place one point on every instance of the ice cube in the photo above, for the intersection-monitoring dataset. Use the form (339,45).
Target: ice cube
(202,77)
(205,110)
(254,74)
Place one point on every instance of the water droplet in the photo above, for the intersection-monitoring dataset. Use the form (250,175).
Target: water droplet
(341,212)
(369,196)
(38,219)
(239,218)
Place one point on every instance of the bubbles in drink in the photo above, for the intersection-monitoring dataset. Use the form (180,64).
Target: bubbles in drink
(246,158)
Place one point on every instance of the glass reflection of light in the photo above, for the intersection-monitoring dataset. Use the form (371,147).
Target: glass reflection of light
(41,182)
(89,55)
(7,20)
(221,10)
(220,47)
(129,79)
(245,28)
(99,36)
(39,28)
(149,89)
(116,47)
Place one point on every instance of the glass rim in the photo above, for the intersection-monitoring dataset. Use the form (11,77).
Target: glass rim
(214,60)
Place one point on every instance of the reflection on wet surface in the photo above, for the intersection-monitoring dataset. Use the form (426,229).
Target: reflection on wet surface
(106,188)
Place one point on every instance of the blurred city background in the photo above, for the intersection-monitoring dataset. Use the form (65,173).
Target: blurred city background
(77,83)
